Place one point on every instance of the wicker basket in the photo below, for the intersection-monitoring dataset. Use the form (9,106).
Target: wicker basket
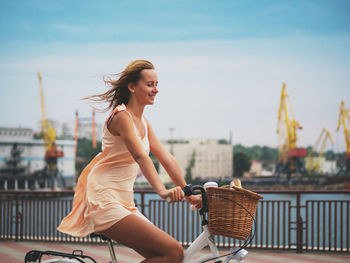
(227,218)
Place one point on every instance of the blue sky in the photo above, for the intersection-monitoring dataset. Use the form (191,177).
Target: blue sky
(220,64)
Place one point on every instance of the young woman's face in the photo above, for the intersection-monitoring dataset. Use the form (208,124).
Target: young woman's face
(146,89)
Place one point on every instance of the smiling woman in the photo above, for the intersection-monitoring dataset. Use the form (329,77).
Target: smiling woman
(103,200)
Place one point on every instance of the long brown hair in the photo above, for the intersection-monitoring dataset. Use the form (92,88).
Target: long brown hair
(118,92)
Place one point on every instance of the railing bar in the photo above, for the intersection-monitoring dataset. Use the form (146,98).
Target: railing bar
(335,224)
(168,209)
(31,215)
(164,213)
(318,225)
(8,231)
(262,222)
(348,226)
(172,220)
(55,219)
(278,223)
(177,220)
(307,220)
(62,235)
(187,222)
(324,225)
(1,218)
(267,222)
(273,224)
(45,218)
(284,224)
(193,226)
(329,225)
(289,226)
(182,222)
(341,225)
(256,227)
(66,212)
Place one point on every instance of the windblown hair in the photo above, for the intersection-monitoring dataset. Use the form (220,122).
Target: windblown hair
(118,92)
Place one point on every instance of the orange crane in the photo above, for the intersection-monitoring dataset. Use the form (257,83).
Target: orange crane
(49,134)
(344,119)
(290,156)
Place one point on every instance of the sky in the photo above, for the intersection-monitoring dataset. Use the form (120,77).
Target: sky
(220,64)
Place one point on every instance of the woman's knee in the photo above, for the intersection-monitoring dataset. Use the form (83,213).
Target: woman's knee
(176,253)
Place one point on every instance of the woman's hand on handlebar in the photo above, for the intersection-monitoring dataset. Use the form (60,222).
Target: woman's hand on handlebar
(195,201)
(172,195)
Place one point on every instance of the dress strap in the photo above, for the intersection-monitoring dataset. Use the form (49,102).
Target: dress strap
(123,108)
(117,109)
(145,125)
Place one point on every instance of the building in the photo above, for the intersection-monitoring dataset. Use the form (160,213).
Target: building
(85,130)
(262,168)
(33,152)
(211,160)
(325,166)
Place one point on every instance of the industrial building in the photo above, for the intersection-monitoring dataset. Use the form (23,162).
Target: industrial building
(211,160)
(31,158)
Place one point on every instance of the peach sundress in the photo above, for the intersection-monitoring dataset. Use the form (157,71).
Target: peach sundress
(104,192)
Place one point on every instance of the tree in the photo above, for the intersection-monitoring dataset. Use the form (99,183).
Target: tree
(241,163)
(191,163)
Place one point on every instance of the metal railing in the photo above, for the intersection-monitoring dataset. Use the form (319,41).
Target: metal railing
(293,222)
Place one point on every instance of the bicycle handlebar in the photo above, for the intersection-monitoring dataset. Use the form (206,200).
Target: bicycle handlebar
(189,190)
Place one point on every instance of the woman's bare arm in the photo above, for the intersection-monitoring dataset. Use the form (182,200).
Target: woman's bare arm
(122,125)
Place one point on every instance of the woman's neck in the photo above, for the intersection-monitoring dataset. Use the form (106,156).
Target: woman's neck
(135,108)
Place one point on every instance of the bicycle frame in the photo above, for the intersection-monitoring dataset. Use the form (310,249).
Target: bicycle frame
(204,239)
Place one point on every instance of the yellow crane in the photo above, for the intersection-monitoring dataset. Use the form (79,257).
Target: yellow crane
(49,133)
(290,156)
(312,161)
(344,119)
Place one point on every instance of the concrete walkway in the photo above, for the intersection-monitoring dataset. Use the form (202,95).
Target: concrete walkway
(14,252)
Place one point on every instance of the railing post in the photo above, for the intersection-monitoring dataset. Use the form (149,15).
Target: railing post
(299,226)
(16,218)
(143,203)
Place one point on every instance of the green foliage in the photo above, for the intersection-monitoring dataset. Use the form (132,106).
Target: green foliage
(188,175)
(85,153)
(223,141)
(241,163)
(256,152)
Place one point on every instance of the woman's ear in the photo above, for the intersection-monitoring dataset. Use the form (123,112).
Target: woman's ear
(131,87)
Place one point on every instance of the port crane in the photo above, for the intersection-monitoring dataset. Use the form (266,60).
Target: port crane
(290,157)
(52,153)
(344,119)
(313,162)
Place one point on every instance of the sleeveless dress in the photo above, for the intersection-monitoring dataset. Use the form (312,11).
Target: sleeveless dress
(104,192)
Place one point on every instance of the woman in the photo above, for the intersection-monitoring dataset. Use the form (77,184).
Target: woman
(103,200)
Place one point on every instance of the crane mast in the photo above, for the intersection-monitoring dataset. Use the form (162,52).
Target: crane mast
(344,119)
(49,135)
(290,156)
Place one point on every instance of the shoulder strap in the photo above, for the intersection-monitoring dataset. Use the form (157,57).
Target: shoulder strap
(117,109)
(145,124)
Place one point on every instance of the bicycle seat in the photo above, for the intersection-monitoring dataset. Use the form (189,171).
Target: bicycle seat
(99,235)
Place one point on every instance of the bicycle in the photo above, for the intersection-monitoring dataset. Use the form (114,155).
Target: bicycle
(204,239)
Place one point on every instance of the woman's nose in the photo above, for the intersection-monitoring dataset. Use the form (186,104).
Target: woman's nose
(155,89)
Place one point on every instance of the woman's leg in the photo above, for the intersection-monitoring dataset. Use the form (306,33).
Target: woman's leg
(146,239)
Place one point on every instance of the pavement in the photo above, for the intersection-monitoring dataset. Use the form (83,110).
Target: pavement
(14,252)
